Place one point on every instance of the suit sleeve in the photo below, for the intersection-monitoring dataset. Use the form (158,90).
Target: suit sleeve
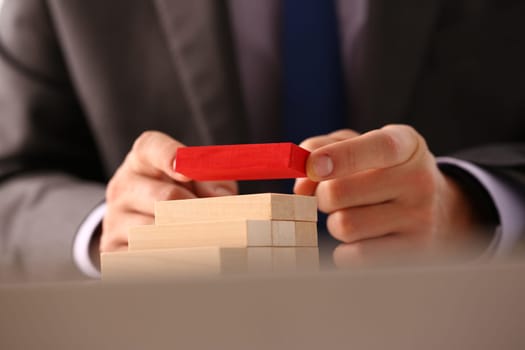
(506,198)
(502,168)
(50,173)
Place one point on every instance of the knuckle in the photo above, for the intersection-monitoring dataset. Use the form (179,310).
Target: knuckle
(130,162)
(144,139)
(390,146)
(399,143)
(340,226)
(113,189)
(117,184)
(142,142)
(403,128)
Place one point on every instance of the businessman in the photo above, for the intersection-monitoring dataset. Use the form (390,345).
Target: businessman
(413,112)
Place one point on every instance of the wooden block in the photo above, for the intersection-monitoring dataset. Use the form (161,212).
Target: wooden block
(204,261)
(242,162)
(263,206)
(259,259)
(288,259)
(294,234)
(283,259)
(230,233)
(147,264)
(224,233)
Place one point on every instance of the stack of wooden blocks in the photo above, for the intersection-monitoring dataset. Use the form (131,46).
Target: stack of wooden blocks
(249,233)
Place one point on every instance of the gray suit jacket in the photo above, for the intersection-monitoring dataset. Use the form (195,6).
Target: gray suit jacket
(80,80)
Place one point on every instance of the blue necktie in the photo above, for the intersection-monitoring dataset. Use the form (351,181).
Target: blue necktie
(313,85)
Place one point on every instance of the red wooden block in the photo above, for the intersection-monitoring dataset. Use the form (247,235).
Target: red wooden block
(242,162)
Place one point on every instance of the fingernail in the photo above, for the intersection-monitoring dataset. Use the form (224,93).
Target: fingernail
(323,166)
(223,191)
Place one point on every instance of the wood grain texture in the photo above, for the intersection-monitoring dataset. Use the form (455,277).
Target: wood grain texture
(190,262)
(165,263)
(242,162)
(263,206)
(224,233)
(228,233)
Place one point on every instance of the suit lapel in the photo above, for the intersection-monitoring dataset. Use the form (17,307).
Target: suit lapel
(391,56)
(197,34)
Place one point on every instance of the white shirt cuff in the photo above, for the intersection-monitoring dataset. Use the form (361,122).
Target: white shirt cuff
(509,204)
(82,240)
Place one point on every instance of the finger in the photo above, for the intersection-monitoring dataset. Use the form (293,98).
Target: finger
(153,154)
(215,188)
(387,147)
(316,142)
(354,224)
(343,134)
(364,188)
(305,186)
(115,228)
(142,192)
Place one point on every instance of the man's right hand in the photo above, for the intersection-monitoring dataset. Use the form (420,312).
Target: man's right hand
(146,176)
